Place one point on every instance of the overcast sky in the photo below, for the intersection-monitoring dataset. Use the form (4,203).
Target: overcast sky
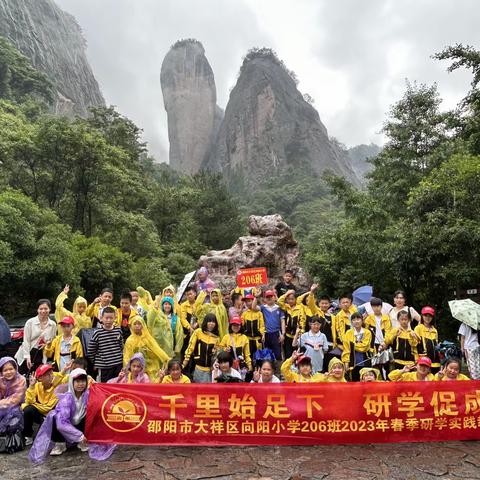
(351,56)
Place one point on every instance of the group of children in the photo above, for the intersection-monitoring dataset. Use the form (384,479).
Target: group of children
(258,337)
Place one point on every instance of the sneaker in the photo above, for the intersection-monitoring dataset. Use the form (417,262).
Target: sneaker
(82,446)
(58,449)
(28,441)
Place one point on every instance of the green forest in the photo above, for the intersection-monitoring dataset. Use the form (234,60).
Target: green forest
(83,203)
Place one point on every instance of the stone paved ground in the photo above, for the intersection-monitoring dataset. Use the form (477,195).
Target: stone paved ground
(423,461)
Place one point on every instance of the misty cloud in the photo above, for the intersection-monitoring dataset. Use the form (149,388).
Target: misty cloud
(352,57)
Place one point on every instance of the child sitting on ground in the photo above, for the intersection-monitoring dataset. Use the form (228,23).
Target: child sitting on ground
(173,374)
(40,397)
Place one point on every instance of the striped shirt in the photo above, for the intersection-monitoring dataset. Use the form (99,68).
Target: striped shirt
(105,348)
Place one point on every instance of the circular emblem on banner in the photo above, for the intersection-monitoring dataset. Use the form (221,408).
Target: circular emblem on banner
(123,412)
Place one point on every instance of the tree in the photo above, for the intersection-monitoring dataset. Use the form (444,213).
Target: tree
(467,116)
(18,79)
(415,128)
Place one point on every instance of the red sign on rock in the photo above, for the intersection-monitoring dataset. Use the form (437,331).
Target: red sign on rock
(252,277)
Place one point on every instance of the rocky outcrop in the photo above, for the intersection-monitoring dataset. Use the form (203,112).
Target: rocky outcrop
(270,244)
(53,41)
(190,99)
(268,125)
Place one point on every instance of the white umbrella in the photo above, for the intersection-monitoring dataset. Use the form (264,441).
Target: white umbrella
(466,311)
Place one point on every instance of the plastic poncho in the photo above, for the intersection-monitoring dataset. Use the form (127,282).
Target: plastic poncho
(12,394)
(160,326)
(218,309)
(82,320)
(205,285)
(145,343)
(63,415)
(375,371)
(335,361)
(145,299)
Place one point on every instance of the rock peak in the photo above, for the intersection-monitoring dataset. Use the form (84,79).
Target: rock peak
(53,41)
(190,99)
(268,126)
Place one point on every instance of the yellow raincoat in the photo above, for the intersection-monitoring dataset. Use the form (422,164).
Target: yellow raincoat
(81,320)
(218,309)
(399,375)
(118,316)
(294,377)
(376,372)
(43,399)
(53,349)
(240,343)
(145,299)
(335,361)
(155,356)
(161,328)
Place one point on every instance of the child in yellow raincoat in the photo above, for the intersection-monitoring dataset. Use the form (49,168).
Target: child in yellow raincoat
(368,374)
(141,341)
(305,372)
(451,371)
(165,326)
(82,320)
(336,371)
(216,307)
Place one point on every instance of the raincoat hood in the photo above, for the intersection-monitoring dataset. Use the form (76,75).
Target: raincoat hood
(203,271)
(78,301)
(140,358)
(365,370)
(6,360)
(74,374)
(219,292)
(170,301)
(336,361)
(171,288)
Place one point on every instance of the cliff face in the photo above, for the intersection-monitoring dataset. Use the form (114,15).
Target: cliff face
(190,99)
(269,125)
(53,41)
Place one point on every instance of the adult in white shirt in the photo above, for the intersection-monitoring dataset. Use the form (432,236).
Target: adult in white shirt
(264,374)
(38,331)
(400,301)
(471,349)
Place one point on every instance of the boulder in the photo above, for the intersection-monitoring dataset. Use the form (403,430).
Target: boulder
(270,244)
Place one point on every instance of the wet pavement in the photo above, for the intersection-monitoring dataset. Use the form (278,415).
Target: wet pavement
(449,460)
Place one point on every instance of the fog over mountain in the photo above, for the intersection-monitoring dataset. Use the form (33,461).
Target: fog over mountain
(351,57)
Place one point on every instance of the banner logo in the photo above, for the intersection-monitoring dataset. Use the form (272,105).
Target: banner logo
(123,412)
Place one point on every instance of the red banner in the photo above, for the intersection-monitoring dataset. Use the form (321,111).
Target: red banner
(252,277)
(283,414)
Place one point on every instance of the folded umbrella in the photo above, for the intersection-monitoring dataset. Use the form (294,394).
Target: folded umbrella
(466,311)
